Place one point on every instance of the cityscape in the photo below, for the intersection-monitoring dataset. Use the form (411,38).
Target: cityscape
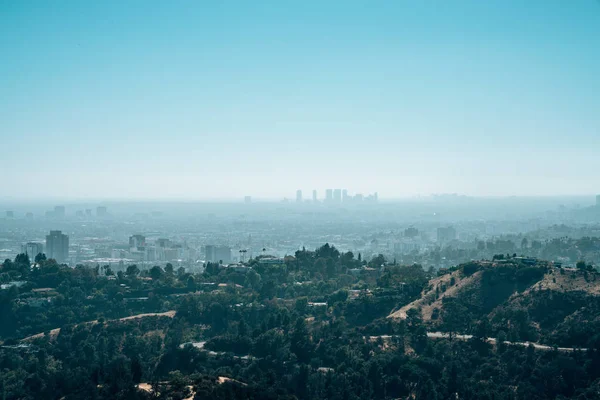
(190,235)
(301,200)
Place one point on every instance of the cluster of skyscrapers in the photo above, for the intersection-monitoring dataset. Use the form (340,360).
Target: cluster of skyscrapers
(338,196)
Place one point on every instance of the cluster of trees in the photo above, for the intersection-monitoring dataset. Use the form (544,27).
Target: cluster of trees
(308,327)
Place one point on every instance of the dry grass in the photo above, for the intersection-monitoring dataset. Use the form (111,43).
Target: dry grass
(54,332)
(423,303)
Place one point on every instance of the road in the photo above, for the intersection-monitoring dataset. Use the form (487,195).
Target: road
(456,336)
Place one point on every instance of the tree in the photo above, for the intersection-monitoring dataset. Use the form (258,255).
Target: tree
(300,341)
(377,261)
(40,257)
(253,279)
(156,272)
(132,271)
(169,269)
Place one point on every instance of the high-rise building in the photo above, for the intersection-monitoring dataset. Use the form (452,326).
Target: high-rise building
(163,242)
(248,199)
(57,246)
(315,196)
(217,253)
(329,195)
(345,197)
(136,241)
(446,234)
(10,214)
(101,211)
(298,196)
(59,211)
(32,249)
(598,200)
(337,195)
(88,212)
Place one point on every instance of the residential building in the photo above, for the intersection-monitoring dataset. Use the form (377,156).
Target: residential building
(217,253)
(137,241)
(32,249)
(57,246)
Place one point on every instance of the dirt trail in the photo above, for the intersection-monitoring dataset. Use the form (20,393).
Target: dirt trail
(54,332)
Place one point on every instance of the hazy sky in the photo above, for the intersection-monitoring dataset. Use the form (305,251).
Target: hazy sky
(206,99)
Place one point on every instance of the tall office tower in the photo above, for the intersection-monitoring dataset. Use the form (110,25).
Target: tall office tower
(59,211)
(345,197)
(337,195)
(329,195)
(101,211)
(298,196)
(217,253)
(314,196)
(376,196)
(248,199)
(136,241)
(57,246)
(32,249)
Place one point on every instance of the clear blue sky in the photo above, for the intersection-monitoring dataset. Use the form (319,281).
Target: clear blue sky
(216,99)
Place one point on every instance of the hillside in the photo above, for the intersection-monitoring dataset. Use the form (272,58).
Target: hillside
(522,302)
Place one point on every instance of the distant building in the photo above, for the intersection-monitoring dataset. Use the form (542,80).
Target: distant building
(10,214)
(29,216)
(298,196)
(57,246)
(137,241)
(248,199)
(446,234)
(217,253)
(345,197)
(314,198)
(59,211)
(337,195)
(101,211)
(329,195)
(411,232)
(598,200)
(88,212)
(79,214)
(162,242)
(32,249)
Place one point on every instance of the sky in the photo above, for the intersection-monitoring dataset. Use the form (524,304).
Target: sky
(221,99)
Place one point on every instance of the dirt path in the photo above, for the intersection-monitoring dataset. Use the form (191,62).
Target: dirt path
(54,332)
